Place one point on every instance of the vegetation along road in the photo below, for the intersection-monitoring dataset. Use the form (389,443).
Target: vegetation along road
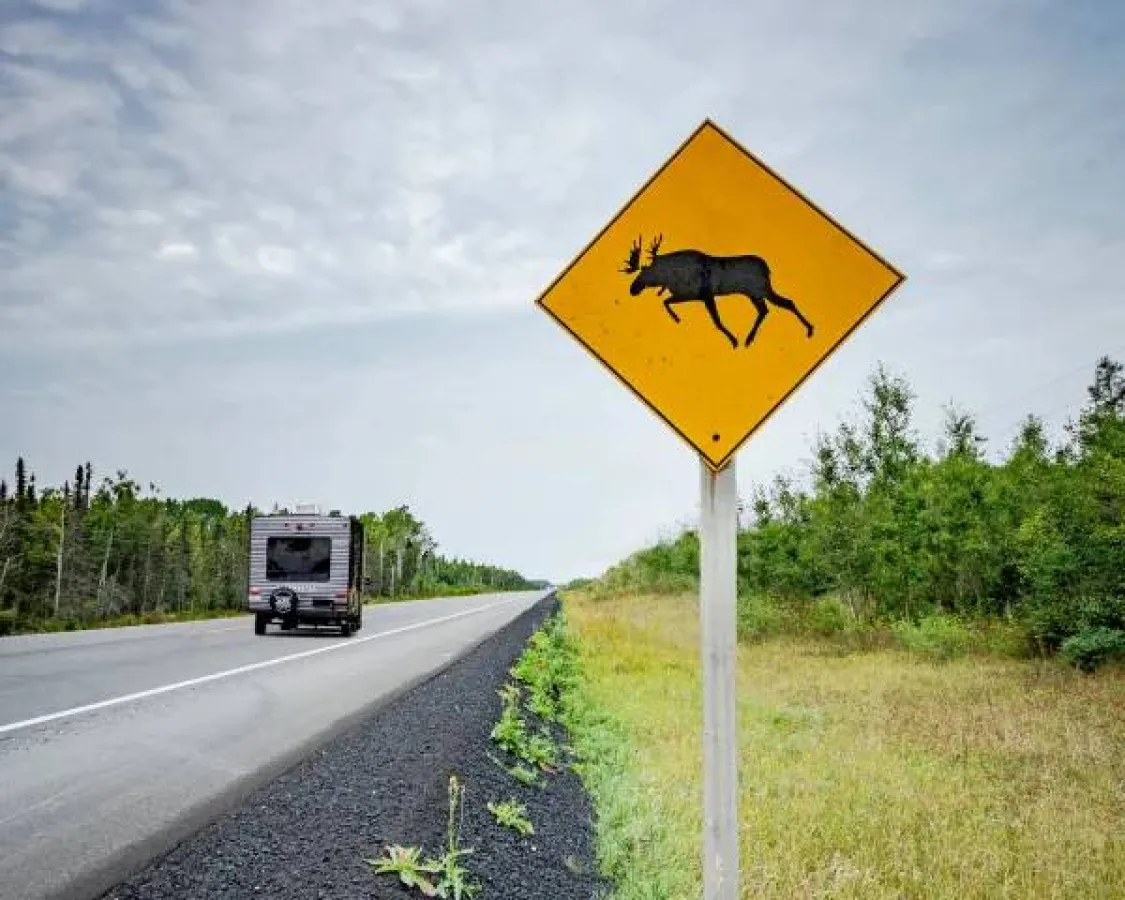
(931,689)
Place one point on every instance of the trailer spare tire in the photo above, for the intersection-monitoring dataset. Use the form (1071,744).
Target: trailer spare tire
(283,601)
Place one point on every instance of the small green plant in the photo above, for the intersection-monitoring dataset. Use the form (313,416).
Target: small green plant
(512,815)
(524,775)
(758,617)
(540,700)
(540,750)
(407,863)
(519,771)
(510,732)
(1093,647)
(829,616)
(548,667)
(510,694)
(937,637)
(442,877)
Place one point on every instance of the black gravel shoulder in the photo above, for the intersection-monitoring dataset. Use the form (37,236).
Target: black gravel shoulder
(385,781)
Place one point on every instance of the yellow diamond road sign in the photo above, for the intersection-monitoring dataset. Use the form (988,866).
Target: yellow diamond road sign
(716,291)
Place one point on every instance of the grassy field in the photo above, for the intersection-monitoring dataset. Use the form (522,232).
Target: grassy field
(862,775)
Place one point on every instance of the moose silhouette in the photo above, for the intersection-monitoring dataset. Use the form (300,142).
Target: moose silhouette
(691,275)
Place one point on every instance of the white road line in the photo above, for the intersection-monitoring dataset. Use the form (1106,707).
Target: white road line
(191,682)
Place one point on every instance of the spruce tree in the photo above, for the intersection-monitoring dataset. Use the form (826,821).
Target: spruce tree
(21,481)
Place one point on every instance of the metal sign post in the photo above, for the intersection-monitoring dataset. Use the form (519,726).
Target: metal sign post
(718,588)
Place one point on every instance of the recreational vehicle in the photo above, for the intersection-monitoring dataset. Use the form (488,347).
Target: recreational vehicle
(306,569)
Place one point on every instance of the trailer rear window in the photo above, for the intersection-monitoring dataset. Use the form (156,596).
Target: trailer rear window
(298,558)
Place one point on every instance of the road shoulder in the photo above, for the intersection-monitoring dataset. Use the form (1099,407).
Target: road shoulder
(385,781)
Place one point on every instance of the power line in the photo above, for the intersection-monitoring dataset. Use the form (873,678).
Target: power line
(1040,385)
(1008,432)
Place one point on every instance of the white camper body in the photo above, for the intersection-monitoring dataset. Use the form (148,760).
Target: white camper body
(306,568)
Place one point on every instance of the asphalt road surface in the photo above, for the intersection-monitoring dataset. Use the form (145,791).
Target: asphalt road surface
(115,744)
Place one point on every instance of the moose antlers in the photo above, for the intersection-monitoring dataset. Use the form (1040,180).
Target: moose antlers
(633,262)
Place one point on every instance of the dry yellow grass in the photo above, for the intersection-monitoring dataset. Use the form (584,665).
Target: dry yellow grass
(872,775)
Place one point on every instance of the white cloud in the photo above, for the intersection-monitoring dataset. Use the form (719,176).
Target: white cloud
(63,6)
(177,250)
(43,180)
(401,143)
(276,260)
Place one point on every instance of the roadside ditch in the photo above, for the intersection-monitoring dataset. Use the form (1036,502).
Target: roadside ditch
(473,759)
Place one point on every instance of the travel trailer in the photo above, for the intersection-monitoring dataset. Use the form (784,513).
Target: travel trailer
(306,569)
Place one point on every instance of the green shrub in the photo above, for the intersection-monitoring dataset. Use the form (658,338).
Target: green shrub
(998,638)
(1050,623)
(759,617)
(669,567)
(1102,612)
(548,667)
(829,616)
(938,637)
(1093,647)
(672,583)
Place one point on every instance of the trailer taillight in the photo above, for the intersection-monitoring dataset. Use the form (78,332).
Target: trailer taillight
(341,595)
(255,591)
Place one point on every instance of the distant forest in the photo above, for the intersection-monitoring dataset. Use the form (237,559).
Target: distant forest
(87,553)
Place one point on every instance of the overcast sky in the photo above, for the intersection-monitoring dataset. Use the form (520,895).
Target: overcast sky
(278,249)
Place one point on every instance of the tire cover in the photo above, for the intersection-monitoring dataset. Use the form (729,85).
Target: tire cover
(283,601)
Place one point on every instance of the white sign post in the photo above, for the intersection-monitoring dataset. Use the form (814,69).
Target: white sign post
(718,588)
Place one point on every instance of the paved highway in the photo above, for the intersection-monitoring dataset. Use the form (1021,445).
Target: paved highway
(114,744)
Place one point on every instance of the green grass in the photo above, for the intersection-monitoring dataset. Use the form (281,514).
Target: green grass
(873,774)
(53,625)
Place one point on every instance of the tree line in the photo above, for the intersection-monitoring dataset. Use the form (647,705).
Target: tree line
(83,553)
(896,532)
(402,557)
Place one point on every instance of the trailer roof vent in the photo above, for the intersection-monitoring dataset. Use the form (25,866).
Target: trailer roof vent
(307,509)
